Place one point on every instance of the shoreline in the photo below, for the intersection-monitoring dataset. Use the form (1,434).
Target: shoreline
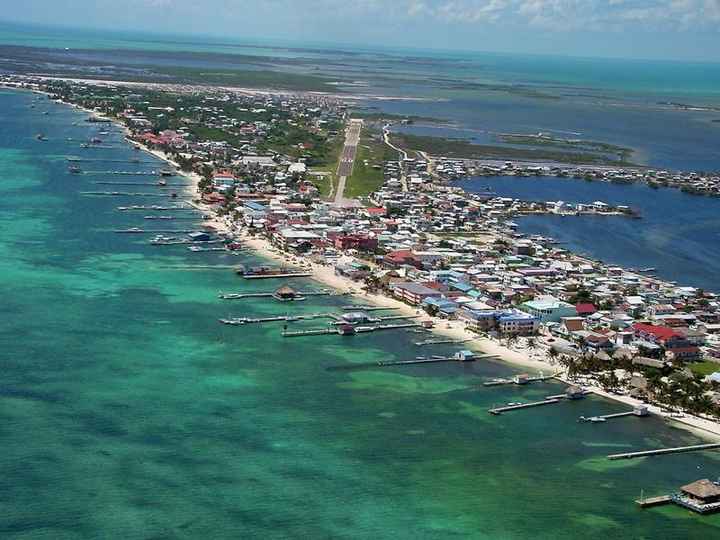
(451,329)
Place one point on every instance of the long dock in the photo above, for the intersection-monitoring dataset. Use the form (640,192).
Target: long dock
(240,321)
(441,342)
(500,410)
(519,381)
(278,276)
(126,194)
(243,296)
(638,411)
(73,159)
(357,330)
(665,451)
(155,184)
(124,173)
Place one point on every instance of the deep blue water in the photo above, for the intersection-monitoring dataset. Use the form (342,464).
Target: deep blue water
(679,234)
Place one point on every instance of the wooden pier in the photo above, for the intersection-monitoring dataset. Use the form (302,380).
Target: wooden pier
(244,296)
(665,451)
(278,276)
(500,410)
(640,411)
(345,332)
(519,380)
(240,321)
(654,501)
(126,194)
(441,342)
(124,173)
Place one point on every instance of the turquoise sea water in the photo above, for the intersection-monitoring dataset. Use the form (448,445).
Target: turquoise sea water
(127,411)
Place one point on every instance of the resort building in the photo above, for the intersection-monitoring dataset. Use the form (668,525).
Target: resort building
(548,309)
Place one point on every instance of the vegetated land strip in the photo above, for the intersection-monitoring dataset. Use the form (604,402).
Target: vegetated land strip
(460,148)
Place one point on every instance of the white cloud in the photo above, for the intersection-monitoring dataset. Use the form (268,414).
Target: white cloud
(561,14)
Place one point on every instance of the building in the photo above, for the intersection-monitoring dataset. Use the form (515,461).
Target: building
(517,323)
(414,293)
(548,309)
(360,242)
(702,496)
(675,344)
(478,320)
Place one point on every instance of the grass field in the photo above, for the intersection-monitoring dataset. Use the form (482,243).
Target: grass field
(367,175)
(703,369)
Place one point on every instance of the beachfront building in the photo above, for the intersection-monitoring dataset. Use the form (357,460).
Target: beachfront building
(675,344)
(548,309)
(517,323)
(478,320)
(414,293)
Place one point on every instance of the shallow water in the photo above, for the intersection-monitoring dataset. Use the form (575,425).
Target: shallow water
(127,411)
(679,234)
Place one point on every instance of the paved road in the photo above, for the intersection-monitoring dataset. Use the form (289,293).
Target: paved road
(403,157)
(347,158)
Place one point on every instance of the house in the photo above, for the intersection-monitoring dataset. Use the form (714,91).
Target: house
(675,344)
(402,257)
(517,323)
(223,179)
(360,242)
(414,293)
(548,309)
(478,320)
(586,309)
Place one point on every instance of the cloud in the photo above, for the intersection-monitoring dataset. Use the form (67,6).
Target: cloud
(573,14)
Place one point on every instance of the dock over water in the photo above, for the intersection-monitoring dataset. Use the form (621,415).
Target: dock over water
(500,410)
(665,451)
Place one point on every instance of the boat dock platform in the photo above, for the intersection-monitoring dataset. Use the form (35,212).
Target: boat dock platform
(640,411)
(368,308)
(125,194)
(278,276)
(244,296)
(654,501)
(155,231)
(500,410)
(665,451)
(240,321)
(345,332)
(125,173)
(73,159)
(156,184)
(441,342)
(519,380)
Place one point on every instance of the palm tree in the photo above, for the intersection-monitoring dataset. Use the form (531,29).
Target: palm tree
(553,354)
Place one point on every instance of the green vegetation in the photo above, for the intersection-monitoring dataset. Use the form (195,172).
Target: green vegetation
(461,148)
(379,115)
(703,369)
(621,152)
(367,175)
(328,164)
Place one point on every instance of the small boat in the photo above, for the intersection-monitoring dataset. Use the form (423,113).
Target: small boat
(41,137)
(74,169)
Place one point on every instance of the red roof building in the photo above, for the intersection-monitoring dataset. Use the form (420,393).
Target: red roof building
(585,309)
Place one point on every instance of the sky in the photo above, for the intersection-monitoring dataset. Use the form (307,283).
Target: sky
(658,29)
